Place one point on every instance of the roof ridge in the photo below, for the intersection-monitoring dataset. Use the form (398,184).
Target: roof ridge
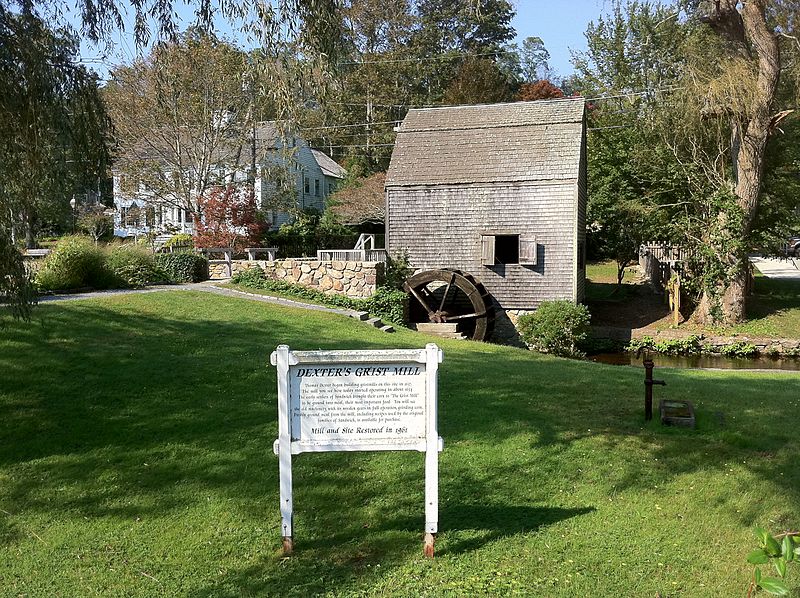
(492,126)
(497,104)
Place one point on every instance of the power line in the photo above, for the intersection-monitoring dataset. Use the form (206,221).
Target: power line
(631,93)
(442,56)
(371,145)
(328,127)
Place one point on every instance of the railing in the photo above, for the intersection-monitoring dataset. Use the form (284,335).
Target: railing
(352,255)
(665,252)
(254,252)
(226,252)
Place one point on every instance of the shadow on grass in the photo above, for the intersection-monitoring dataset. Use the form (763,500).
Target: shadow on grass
(140,407)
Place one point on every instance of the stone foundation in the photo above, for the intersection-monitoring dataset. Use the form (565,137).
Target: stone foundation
(505,326)
(351,279)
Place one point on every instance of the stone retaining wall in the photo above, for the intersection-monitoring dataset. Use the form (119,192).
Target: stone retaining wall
(352,279)
(505,326)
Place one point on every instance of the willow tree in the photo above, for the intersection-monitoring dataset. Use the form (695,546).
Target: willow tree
(284,29)
(730,102)
(52,136)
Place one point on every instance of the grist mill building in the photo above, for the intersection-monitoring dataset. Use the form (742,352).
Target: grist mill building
(495,191)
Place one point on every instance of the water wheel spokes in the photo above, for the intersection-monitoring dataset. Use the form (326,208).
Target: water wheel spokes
(442,296)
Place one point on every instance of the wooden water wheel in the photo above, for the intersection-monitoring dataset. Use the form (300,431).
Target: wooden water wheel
(451,297)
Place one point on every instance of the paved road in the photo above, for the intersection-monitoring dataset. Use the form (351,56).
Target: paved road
(787,268)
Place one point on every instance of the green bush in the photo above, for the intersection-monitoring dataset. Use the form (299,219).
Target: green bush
(180,240)
(388,304)
(739,349)
(183,266)
(134,267)
(74,263)
(397,270)
(556,327)
(252,277)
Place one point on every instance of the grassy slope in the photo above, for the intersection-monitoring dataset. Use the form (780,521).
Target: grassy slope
(135,459)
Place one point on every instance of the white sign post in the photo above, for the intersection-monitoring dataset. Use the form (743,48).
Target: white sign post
(358,401)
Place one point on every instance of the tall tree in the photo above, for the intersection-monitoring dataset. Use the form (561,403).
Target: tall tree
(634,57)
(534,60)
(52,135)
(729,107)
(184,120)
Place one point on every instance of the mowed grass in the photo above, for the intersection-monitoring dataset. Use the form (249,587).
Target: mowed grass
(136,460)
(773,309)
(602,284)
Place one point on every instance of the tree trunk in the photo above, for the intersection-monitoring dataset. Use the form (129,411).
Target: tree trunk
(748,144)
(727,305)
(28,223)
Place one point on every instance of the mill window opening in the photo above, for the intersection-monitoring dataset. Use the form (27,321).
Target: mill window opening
(506,249)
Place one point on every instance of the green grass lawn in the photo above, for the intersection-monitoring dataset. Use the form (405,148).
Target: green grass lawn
(602,281)
(773,309)
(135,460)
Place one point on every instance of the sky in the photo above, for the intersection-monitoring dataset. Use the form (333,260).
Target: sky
(560,23)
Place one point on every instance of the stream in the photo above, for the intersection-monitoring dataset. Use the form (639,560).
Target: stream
(700,361)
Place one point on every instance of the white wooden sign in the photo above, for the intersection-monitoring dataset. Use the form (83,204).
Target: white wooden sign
(358,401)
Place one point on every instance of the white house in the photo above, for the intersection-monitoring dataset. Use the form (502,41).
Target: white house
(311,174)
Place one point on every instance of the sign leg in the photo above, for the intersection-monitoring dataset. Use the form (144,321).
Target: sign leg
(431,450)
(285,448)
(430,540)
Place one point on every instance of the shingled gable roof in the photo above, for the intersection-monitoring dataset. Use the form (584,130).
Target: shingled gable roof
(328,165)
(520,141)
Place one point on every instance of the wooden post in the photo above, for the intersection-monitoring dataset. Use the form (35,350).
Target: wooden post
(281,360)
(433,357)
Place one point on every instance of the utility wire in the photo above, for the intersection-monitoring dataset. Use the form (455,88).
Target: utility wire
(371,145)
(442,56)
(328,127)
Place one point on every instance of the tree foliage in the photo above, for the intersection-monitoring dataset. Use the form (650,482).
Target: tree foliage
(479,81)
(184,119)
(695,103)
(539,90)
(52,137)
(401,54)
(230,219)
(361,201)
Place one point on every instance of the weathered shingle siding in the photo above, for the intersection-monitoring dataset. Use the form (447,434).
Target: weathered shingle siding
(581,224)
(441,227)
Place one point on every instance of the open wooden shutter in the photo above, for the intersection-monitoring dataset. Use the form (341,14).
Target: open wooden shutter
(487,250)
(527,251)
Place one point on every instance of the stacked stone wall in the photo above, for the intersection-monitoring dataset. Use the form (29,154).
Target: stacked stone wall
(352,279)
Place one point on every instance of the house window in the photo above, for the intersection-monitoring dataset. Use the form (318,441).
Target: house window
(307,186)
(508,249)
(316,187)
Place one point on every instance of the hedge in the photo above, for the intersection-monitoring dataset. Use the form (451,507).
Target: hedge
(183,266)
